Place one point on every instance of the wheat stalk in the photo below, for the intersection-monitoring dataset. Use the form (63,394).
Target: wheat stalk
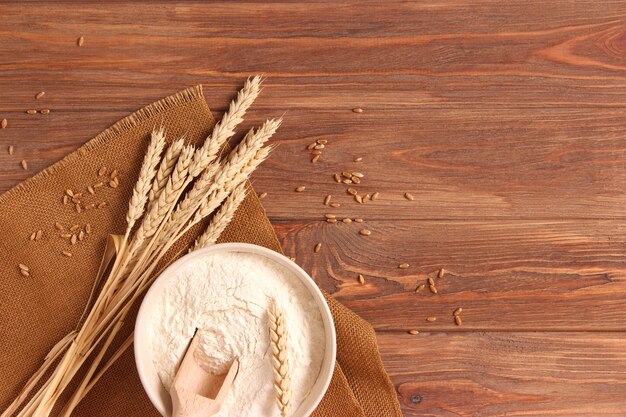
(225,128)
(165,169)
(280,358)
(146,175)
(222,218)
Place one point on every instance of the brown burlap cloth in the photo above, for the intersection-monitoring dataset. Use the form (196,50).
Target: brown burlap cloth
(37,311)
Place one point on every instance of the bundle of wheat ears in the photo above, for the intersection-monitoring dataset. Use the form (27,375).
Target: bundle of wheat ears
(176,189)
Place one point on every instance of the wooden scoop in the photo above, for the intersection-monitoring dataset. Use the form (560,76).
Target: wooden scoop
(197,393)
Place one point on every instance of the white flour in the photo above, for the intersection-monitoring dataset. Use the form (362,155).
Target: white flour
(226,296)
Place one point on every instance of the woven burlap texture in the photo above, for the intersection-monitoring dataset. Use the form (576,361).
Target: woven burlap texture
(37,311)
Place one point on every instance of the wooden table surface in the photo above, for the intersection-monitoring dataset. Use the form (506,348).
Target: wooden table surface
(505,120)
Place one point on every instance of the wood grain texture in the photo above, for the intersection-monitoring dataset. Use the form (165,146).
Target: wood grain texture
(510,275)
(505,121)
(508,374)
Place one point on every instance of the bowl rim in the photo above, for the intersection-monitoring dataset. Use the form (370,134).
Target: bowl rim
(330,354)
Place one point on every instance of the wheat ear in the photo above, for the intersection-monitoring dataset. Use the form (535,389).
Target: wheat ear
(280,358)
(146,175)
(225,128)
(165,169)
(222,218)
(159,208)
(207,195)
(241,162)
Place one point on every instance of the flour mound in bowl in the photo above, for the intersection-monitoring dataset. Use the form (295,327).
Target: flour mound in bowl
(226,296)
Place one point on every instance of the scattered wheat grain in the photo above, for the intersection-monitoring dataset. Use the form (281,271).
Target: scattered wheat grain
(4,123)
(31,111)
(361,279)
(300,188)
(365,232)
(335,205)
(44,111)
(262,195)
(330,216)
(457,320)
(359,159)
(413,332)
(90,189)
(102,171)
(327,199)
(419,287)
(441,273)
(24,164)
(317,248)
(358,220)
(409,196)
(430,319)
(403,265)
(11,149)
(66,253)
(347,220)
(357,110)
(80,41)
(315,159)
(40,95)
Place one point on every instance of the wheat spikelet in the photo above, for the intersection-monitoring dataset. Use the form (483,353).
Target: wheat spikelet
(159,208)
(241,162)
(225,128)
(146,174)
(280,358)
(220,190)
(207,195)
(222,218)
(166,168)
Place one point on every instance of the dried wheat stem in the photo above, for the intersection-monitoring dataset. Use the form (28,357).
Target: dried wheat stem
(146,175)
(165,169)
(222,218)
(280,358)
(225,128)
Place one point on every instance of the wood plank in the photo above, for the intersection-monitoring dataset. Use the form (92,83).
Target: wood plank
(379,54)
(509,275)
(512,374)
(473,163)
